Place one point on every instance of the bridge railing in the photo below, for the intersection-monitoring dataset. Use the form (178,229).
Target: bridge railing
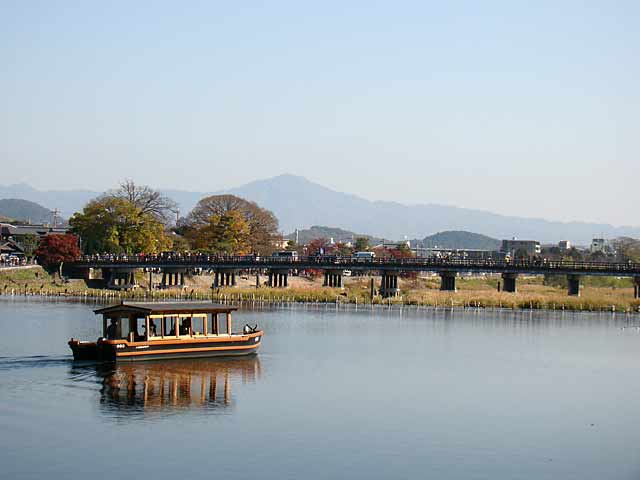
(325,261)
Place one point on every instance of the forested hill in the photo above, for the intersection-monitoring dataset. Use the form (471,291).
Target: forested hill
(461,239)
(24,211)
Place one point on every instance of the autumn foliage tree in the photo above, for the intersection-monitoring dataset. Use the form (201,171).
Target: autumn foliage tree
(55,249)
(229,224)
(227,233)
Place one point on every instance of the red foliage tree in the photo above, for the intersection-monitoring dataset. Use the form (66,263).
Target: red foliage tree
(314,246)
(57,248)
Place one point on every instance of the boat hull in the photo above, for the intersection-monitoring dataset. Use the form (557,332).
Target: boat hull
(123,351)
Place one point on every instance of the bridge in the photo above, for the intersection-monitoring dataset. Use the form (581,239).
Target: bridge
(118,271)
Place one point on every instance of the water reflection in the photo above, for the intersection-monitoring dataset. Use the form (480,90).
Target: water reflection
(174,386)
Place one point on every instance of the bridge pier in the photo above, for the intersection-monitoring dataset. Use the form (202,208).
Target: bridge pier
(636,287)
(509,282)
(279,278)
(448,282)
(225,278)
(333,278)
(389,284)
(574,285)
(172,278)
(119,279)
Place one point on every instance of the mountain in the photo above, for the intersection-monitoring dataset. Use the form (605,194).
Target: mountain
(66,201)
(70,201)
(299,203)
(338,235)
(460,239)
(24,210)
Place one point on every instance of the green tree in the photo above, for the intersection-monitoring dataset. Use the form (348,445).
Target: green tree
(29,244)
(115,225)
(292,246)
(627,249)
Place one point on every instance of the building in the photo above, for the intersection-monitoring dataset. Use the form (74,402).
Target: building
(601,245)
(564,245)
(513,246)
(10,248)
(280,243)
(15,232)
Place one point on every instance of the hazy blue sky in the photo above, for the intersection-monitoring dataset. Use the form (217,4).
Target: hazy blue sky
(527,108)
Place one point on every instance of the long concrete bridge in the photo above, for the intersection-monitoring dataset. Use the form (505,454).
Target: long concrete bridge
(118,271)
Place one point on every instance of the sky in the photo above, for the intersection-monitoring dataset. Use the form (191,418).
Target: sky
(520,108)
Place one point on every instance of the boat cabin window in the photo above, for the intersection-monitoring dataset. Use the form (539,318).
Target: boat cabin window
(198,324)
(169,326)
(132,329)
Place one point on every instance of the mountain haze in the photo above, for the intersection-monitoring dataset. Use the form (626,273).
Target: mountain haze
(24,211)
(299,203)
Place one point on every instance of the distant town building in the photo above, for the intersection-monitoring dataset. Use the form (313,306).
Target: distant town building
(564,245)
(601,245)
(15,232)
(531,247)
(394,245)
(10,248)
(280,243)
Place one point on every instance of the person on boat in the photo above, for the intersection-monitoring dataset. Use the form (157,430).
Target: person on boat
(152,328)
(184,327)
(112,329)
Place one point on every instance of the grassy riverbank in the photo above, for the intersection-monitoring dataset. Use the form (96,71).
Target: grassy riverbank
(596,295)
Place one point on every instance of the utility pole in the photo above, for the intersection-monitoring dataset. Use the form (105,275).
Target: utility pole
(54,217)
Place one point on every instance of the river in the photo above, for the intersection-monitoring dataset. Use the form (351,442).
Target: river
(334,393)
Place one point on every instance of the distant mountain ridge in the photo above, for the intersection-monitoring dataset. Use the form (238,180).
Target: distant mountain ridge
(300,203)
(24,211)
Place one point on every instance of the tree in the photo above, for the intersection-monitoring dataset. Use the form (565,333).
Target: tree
(262,224)
(342,250)
(57,248)
(362,244)
(292,246)
(628,249)
(227,233)
(314,247)
(401,251)
(29,244)
(115,225)
(146,200)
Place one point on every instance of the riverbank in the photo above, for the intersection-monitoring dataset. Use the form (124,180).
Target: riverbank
(478,292)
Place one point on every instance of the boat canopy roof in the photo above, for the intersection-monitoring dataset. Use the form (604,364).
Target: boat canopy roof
(152,308)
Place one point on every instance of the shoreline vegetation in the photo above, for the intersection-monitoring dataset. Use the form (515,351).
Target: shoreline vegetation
(597,294)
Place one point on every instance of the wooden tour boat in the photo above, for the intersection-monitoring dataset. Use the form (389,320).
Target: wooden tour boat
(149,331)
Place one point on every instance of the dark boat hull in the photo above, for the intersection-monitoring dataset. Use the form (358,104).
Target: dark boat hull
(123,351)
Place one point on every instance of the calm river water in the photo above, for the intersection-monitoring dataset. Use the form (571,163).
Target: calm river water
(376,394)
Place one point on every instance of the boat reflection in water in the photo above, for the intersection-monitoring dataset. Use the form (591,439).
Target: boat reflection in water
(175,386)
